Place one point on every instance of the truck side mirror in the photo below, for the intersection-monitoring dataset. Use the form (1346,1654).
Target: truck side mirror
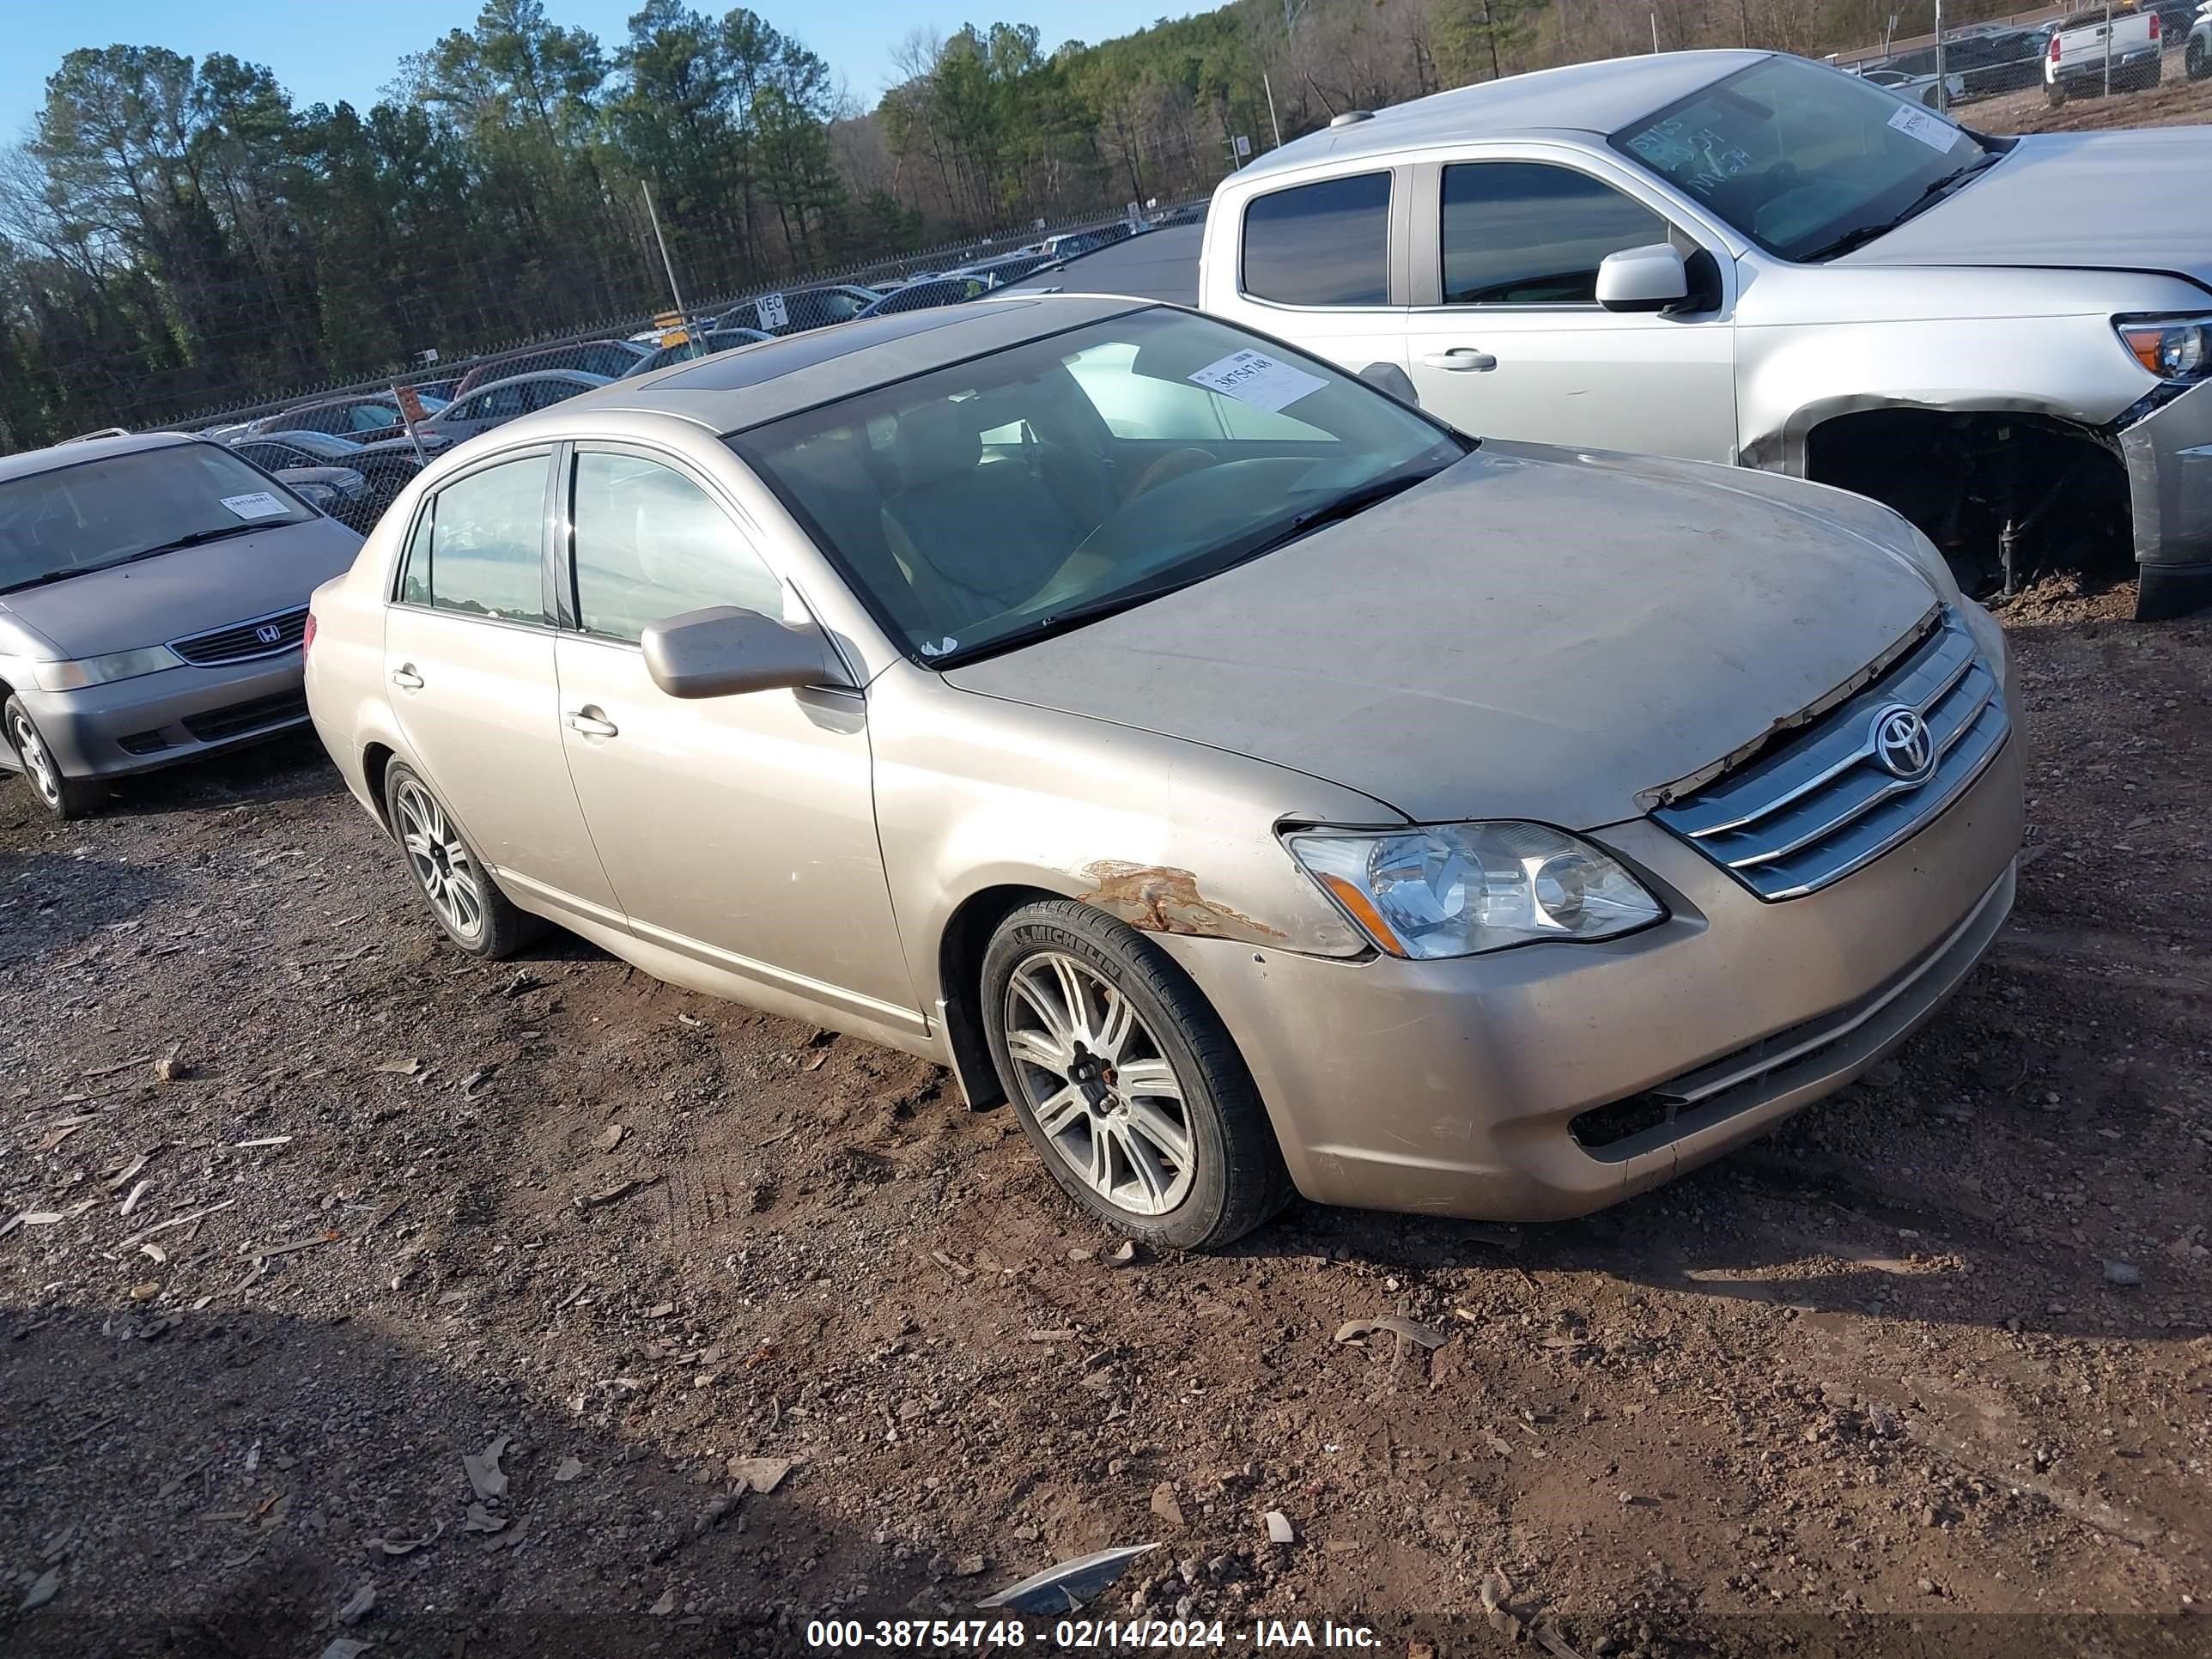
(1649,278)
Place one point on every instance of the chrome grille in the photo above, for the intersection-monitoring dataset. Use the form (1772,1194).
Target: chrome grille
(1793,819)
(244,640)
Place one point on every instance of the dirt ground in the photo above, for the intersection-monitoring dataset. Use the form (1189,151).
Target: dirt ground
(1927,1372)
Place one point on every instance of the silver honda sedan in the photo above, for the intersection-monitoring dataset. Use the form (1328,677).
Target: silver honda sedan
(153,593)
(1262,785)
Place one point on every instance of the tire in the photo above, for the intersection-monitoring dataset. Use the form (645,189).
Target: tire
(2197,61)
(1111,1146)
(2053,93)
(463,898)
(65,798)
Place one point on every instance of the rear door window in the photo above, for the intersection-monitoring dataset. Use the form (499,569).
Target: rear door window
(479,547)
(1526,233)
(1327,243)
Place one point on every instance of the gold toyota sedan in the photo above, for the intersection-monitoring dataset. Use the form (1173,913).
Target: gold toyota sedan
(1262,785)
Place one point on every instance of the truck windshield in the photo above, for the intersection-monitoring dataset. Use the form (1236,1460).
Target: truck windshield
(1807,162)
(66,520)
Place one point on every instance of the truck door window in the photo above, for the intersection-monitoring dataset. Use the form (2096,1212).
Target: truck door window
(1320,245)
(1526,233)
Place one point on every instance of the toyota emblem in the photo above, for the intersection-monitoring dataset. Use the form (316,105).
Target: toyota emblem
(269,633)
(1903,746)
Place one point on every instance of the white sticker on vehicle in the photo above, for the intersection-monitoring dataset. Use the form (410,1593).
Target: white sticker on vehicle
(259,505)
(1254,378)
(1931,129)
(774,313)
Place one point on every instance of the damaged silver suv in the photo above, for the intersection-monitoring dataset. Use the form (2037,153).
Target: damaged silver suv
(1748,258)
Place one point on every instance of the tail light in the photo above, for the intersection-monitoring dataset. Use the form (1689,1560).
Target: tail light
(2054,47)
(307,638)
(2153,28)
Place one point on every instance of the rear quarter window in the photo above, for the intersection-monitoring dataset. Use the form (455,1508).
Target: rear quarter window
(1325,244)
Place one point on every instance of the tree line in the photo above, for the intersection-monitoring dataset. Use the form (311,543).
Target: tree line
(176,236)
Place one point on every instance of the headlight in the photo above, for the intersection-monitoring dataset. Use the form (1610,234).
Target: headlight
(99,671)
(316,493)
(2171,348)
(1456,889)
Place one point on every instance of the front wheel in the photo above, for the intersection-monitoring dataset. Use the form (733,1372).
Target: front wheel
(66,798)
(2198,63)
(1126,1081)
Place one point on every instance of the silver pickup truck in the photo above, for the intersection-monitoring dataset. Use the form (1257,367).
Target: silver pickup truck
(1748,258)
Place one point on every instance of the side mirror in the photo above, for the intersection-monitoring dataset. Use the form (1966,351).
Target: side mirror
(1643,278)
(1389,377)
(723,651)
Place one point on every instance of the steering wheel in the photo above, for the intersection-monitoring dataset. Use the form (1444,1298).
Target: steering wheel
(1170,467)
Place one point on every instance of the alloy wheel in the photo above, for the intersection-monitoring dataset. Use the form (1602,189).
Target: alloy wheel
(1099,1085)
(440,859)
(38,765)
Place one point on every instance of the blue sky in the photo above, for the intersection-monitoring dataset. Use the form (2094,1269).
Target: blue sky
(324,52)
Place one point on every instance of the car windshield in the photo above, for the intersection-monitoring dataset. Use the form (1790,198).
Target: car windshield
(70,520)
(1806,162)
(984,504)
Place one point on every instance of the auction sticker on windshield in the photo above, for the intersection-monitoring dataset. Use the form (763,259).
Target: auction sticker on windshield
(259,505)
(1930,130)
(1254,378)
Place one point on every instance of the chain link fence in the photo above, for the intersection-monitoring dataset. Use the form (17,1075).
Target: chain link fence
(2053,54)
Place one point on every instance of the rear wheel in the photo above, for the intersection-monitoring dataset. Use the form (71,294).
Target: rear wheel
(463,897)
(2197,62)
(1126,1081)
(2053,93)
(65,798)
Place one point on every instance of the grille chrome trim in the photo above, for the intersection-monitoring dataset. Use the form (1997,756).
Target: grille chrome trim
(238,643)
(1794,819)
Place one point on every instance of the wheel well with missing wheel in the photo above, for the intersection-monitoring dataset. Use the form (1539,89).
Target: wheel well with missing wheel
(1964,477)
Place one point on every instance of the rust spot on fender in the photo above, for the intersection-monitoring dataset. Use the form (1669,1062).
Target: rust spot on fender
(1161,900)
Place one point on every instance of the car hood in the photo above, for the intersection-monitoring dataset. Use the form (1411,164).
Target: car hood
(2111,201)
(1536,633)
(184,593)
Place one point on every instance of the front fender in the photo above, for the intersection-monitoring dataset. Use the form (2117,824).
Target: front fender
(976,795)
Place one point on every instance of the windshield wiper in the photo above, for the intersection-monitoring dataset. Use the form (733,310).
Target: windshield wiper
(195,538)
(1859,237)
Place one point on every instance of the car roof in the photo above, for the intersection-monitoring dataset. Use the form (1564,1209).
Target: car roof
(89,449)
(1601,97)
(753,385)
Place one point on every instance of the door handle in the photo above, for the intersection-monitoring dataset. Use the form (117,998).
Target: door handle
(406,679)
(1460,360)
(590,725)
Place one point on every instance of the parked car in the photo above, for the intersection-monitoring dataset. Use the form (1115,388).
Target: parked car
(612,358)
(1069,243)
(703,345)
(2082,62)
(384,468)
(928,293)
(1259,783)
(501,401)
(1006,268)
(1980,333)
(1920,88)
(2196,57)
(796,310)
(153,596)
(367,417)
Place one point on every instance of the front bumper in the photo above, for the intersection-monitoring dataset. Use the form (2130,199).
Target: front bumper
(1453,1088)
(160,720)
(2168,453)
